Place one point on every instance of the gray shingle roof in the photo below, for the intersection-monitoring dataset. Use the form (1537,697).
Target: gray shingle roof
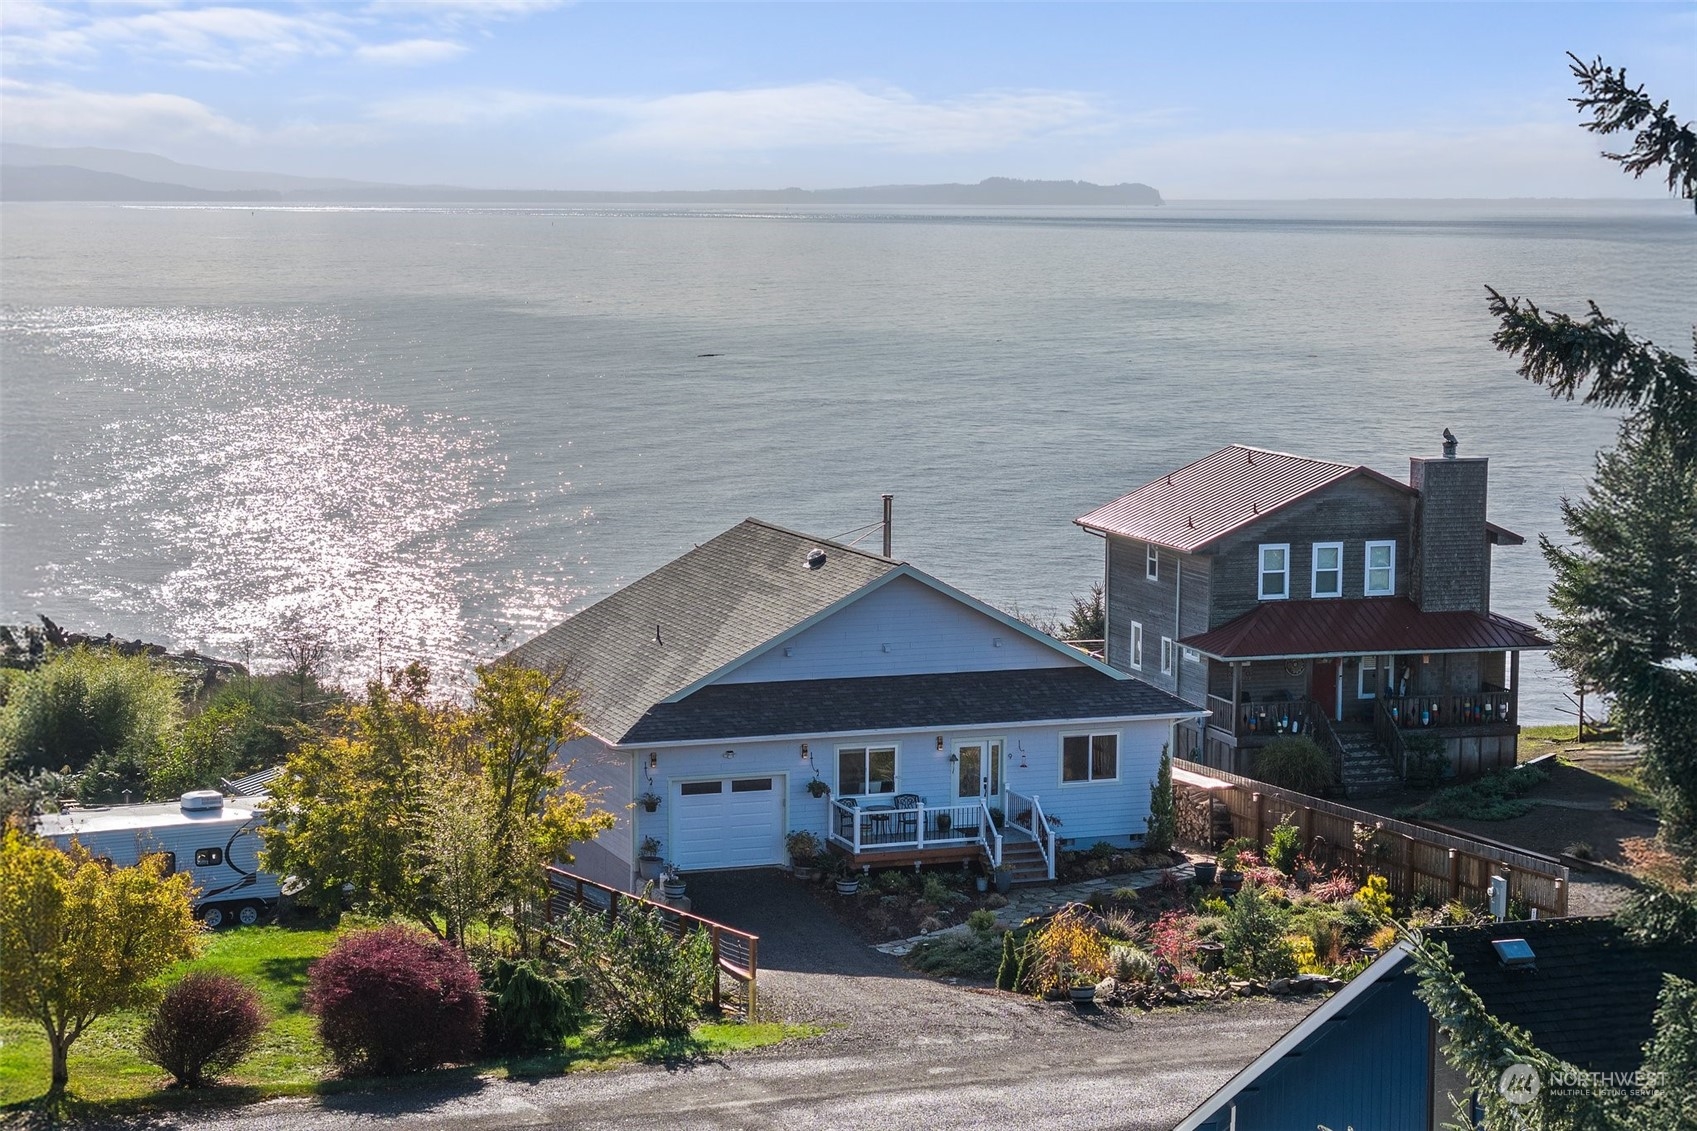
(719,601)
(949,699)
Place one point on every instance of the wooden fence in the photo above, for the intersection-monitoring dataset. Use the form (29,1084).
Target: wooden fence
(1417,861)
(736,954)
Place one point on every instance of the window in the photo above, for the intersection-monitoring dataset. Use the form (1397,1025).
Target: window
(1166,655)
(866,769)
(1192,656)
(1381,569)
(1136,645)
(1152,563)
(1275,573)
(1328,569)
(1090,757)
(752,785)
(208,857)
(701,788)
(1367,678)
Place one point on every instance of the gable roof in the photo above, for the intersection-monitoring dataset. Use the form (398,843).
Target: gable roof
(1358,626)
(694,615)
(1591,998)
(1232,488)
(903,702)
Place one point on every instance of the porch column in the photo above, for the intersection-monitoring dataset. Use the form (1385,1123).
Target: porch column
(1514,689)
(1237,692)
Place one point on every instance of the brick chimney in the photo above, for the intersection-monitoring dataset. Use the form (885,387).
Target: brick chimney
(1451,557)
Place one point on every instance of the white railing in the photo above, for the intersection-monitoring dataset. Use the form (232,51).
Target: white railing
(989,833)
(862,827)
(1025,814)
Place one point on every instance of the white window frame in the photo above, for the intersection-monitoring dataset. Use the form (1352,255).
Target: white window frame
(1262,573)
(1367,589)
(1314,570)
(1152,562)
(1136,645)
(1090,738)
(1166,655)
(1192,656)
(866,749)
(1364,689)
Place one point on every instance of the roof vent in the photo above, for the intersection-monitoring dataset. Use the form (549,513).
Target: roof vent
(1514,954)
(1251,456)
(1450,443)
(202,801)
(815,558)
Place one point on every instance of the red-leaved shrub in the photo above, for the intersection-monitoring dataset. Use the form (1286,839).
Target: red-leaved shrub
(393,1000)
(203,1027)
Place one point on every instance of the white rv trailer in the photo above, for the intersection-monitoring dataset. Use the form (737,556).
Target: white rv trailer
(213,839)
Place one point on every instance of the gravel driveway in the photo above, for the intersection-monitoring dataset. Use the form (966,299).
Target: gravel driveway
(902,1050)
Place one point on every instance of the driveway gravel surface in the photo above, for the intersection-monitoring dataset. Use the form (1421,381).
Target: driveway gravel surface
(900,1050)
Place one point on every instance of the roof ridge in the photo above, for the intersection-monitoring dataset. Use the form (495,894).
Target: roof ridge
(1291,455)
(806,537)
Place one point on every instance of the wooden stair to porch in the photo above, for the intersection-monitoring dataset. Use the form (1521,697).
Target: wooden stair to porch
(1026,861)
(1367,770)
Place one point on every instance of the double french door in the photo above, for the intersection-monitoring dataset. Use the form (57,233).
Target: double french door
(978,770)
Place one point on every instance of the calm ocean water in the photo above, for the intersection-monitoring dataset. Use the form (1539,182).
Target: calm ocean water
(435,431)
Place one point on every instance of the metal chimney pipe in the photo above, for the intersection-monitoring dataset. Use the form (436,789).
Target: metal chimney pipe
(888,500)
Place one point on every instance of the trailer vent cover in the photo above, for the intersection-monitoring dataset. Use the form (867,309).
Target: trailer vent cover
(202,801)
(1514,954)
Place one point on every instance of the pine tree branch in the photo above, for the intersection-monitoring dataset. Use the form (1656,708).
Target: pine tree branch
(1614,106)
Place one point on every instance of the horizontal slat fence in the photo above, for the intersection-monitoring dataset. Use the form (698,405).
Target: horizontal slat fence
(735,953)
(1415,860)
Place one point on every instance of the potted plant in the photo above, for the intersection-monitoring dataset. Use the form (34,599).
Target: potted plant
(1205,870)
(671,883)
(648,858)
(981,882)
(848,880)
(1004,878)
(1080,989)
(997,817)
(802,846)
(650,801)
(819,788)
(1230,878)
(944,824)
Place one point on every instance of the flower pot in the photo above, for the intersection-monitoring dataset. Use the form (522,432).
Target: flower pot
(1205,871)
(648,867)
(650,806)
(673,889)
(1004,882)
(1082,995)
(1230,882)
(848,887)
(982,883)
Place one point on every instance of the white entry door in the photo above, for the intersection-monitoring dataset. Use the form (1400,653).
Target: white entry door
(727,823)
(978,769)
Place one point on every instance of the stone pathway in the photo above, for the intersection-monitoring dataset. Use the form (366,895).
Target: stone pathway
(1026,902)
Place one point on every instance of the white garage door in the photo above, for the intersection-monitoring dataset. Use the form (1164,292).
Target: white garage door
(729,823)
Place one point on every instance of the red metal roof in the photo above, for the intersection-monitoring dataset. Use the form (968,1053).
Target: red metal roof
(1363,626)
(1186,509)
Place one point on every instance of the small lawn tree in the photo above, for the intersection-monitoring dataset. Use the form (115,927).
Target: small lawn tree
(1163,825)
(79,940)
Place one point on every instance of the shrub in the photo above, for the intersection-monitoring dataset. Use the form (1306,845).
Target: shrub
(1336,889)
(1325,929)
(935,890)
(1285,846)
(1581,850)
(529,1009)
(1295,763)
(802,845)
(1374,897)
(1233,852)
(1122,925)
(1131,964)
(1162,823)
(1172,940)
(978,956)
(1007,974)
(392,1000)
(1254,939)
(1498,796)
(1062,951)
(1383,938)
(981,921)
(204,1026)
(642,981)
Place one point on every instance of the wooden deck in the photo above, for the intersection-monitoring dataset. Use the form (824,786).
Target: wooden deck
(896,857)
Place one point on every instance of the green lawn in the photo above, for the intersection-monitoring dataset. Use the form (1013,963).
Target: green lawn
(105,1071)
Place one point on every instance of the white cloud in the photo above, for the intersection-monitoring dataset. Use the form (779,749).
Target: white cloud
(411,52)
(224,37)
(56,114)
(819,114)
(1534,158)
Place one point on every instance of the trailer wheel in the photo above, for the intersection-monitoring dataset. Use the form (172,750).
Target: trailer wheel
(248,914)
(214,916)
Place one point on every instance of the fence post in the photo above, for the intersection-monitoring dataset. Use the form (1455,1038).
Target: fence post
(1255,799)
(1455,876)
(1561,898)
(1307,827)
(1408,868)
(717,969)
(613,908)
(753,970)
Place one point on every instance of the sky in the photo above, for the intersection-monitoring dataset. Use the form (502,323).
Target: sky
(1223,101)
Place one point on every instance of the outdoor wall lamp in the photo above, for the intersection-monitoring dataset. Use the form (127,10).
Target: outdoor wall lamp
(804,752)
(1023,764)
(653,759)
(730,753)
(939,744)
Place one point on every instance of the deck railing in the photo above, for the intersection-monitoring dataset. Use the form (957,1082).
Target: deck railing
(735,953)
(872,827)
(1320,730)
(1281,716)
(989,833)
(1025,815)
(1390,737)
(1479,708)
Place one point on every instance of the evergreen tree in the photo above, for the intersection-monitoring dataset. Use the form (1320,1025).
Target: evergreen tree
(1625,591)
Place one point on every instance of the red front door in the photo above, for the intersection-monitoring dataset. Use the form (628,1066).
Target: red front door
(1323,686)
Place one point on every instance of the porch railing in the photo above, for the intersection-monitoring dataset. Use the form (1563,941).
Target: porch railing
(989,833)
(1025,814)
(871,827)
(1479,708)
(1390,736)
(1224,717)
(1280,716)
(1320,730)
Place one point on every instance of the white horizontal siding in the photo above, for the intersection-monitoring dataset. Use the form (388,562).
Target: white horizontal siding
(606,775)
(902,628)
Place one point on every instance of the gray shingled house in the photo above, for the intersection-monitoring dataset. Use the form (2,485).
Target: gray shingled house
(1288,594)
(767,681)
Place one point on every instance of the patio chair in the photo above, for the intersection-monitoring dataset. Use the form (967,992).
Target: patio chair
(845,821)
(907,814)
